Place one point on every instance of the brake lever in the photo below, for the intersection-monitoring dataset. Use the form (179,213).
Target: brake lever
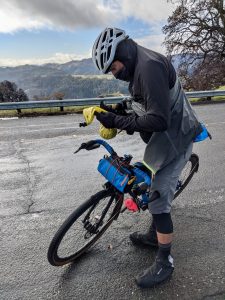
(88,146)
(84,124)
(95,146)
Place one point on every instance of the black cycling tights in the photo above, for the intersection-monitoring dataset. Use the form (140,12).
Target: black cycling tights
(163,223)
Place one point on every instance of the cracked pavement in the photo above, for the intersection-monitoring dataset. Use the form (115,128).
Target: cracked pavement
(42,182)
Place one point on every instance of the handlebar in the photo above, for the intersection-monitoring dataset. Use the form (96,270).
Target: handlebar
(93,144)
(107,146)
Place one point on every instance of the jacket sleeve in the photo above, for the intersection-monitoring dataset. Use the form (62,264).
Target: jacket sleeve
(154,86)
(147,123)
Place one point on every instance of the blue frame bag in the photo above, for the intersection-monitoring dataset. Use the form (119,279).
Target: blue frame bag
(114,172)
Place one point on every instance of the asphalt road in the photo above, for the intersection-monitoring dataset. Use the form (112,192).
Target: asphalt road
(42,182)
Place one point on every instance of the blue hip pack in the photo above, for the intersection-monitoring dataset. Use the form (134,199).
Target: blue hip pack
(114,171)
(203,135)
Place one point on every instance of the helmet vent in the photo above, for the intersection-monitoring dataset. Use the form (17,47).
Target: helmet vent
(97,64)
(101,61)
(97,43)
(109,52)
(104,37)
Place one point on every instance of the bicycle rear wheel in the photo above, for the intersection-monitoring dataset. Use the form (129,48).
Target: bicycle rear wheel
(84,227)
(190,168)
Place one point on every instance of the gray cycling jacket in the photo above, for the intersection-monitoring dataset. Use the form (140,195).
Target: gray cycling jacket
(161,109)
(165,146)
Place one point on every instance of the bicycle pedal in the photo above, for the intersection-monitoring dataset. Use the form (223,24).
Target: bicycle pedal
(131,205)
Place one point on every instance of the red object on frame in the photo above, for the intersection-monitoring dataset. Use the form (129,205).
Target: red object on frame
(131,205)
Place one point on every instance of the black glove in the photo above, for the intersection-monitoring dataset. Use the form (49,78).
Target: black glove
(130,132)
(107,119)
(118,109)
(108,108)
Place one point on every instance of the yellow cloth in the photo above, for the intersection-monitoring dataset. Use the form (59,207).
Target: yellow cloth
(107,133)
(89,114)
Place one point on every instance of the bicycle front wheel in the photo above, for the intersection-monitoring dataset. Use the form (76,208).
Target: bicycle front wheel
(84,227)
(190,168)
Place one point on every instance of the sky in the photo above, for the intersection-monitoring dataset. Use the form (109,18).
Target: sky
(43,31)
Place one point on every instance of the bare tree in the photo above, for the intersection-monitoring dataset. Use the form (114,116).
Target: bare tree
(196,30)
(197,26)
(10,93)
(205,75)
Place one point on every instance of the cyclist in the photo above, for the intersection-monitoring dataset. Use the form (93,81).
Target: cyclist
(166,122)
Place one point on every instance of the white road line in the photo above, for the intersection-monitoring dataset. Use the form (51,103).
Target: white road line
(6,119)
(215,123)
(49,124)
(51,129)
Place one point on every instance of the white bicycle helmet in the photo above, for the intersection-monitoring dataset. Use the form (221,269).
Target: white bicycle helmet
(104,48)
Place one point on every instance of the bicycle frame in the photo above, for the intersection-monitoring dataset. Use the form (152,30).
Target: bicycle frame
(100,210)
(137,190)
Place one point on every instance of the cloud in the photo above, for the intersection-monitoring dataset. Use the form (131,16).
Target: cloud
(153,13)
(153,42)
(72,14)
(59,58)
(60,14)
(148,10)
(18,15)
(145,10)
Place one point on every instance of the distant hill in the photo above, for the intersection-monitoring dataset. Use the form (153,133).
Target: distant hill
(47,79)
(79,67)
(76,79)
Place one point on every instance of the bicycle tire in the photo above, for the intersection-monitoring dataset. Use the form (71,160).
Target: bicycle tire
(56,259)
(194,160)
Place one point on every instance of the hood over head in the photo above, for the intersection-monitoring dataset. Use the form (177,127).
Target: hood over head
(126,52)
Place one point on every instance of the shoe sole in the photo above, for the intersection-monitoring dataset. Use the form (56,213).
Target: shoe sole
(156,284)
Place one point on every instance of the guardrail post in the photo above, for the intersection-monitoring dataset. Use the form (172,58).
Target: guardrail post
(61,108)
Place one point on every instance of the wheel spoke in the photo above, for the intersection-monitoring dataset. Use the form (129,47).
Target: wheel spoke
(82,229)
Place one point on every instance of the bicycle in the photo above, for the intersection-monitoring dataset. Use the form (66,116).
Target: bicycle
(96,214)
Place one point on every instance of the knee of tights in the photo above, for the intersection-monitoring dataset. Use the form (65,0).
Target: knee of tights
(163,223)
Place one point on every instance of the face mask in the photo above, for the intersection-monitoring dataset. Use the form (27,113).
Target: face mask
(123,74)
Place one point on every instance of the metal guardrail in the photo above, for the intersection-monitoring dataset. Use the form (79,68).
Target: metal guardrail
(90,101)
(204,94)
(58,103)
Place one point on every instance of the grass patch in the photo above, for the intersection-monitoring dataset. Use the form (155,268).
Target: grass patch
(213,99)
(41,111)
(8,113)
